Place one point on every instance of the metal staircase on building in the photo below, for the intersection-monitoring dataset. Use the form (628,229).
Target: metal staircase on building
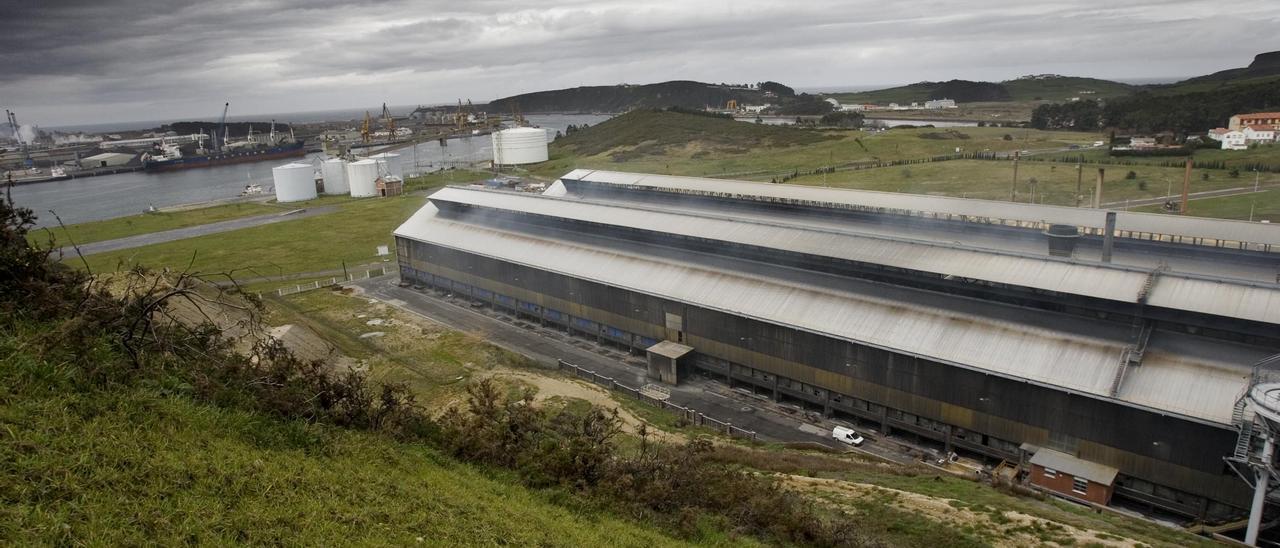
(1244,441)
(1150,282)
(1121,369)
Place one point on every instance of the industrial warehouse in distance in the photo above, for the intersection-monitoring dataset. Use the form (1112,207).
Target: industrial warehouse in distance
(1102,356)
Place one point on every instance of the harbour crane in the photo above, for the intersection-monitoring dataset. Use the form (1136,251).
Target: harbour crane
(365,136)
(388,122)
(222,128)
(17,136)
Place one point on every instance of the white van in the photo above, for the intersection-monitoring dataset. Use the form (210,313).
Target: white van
(846,435)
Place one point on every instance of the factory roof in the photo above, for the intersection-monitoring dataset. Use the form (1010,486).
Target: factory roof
(1200,382)
(668,349)
(1216,231)
(1216,296)
(1080,468)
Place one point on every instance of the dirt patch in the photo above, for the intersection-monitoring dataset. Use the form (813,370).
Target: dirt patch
(550,387)
(1007,527)
(307,345)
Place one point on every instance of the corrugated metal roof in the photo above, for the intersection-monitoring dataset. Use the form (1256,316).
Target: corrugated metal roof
(1194,227)
(1068,360)
(1097,280)
(1078,467)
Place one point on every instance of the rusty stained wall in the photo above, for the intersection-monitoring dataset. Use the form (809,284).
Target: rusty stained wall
(1159,448)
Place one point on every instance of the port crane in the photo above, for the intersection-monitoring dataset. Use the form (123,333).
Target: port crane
(17,136)
(365,135)
(222,128)
(388,122)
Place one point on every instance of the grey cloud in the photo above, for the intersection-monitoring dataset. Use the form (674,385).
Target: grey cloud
(137,59)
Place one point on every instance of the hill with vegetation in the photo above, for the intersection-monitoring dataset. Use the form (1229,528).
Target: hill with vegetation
(624,97)
(1264,68)
(1152,112)
(649,132)
(1047,87)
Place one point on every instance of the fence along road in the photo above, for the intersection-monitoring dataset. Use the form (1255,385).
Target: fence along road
(691,415)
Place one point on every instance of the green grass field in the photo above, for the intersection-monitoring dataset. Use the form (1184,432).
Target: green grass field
(350,234)
(1260,154)
(146,223)
(1055,182)
(1263,205)
(699,153)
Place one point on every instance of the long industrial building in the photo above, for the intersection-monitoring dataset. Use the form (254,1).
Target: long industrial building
(1019,332)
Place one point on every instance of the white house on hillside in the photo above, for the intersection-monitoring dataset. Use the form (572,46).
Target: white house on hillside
(1264,134)
(1234,140)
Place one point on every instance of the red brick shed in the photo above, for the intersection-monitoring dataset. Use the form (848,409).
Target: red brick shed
(1072,476)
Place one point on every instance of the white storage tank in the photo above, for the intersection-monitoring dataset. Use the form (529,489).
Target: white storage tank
(521,145)
(334,171)
(389,164)
(361,177)
(294,182)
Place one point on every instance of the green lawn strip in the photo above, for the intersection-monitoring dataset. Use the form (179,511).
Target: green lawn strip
(1265,205)
(145,223)
(312,244)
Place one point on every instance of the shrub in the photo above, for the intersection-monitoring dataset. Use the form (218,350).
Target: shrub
(1131,175)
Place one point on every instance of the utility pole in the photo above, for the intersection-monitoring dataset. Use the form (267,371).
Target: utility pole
(1013,187)
(1079,180)
(1097,192)
(1186,187)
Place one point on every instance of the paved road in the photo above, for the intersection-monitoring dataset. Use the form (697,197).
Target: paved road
(198,230)
(771,421)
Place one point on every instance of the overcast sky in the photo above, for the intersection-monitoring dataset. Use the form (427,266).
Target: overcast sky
(79,62)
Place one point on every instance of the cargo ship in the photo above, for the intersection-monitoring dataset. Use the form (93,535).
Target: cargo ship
(169,157)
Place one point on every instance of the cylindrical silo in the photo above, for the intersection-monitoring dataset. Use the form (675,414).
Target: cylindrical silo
(334,171)
(361,175)
(389,164)
(521,145)
(294,182)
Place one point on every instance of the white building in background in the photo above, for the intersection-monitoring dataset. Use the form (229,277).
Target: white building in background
(755,109)
(1234,140)
(1259,134)
(940,103)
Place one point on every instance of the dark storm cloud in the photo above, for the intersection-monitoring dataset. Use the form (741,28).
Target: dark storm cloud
(80,61)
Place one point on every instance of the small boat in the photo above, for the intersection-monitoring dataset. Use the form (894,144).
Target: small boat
(251,190)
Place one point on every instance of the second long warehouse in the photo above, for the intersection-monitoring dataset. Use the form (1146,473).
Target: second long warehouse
(943,317)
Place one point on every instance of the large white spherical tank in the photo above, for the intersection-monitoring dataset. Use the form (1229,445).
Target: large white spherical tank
(389,164)
(334,171)
(521,145)
(294,182)
(361,177)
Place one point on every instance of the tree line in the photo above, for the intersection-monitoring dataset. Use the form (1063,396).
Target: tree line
(1148,112)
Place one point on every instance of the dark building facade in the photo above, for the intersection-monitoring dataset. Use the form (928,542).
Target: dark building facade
(981,366)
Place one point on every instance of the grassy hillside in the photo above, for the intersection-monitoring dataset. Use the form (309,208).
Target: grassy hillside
(137,466)
(647,132)
(624,97)
(1058,88)
(1063,88)
(678,144)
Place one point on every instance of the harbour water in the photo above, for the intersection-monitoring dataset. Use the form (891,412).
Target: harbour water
(110,196)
